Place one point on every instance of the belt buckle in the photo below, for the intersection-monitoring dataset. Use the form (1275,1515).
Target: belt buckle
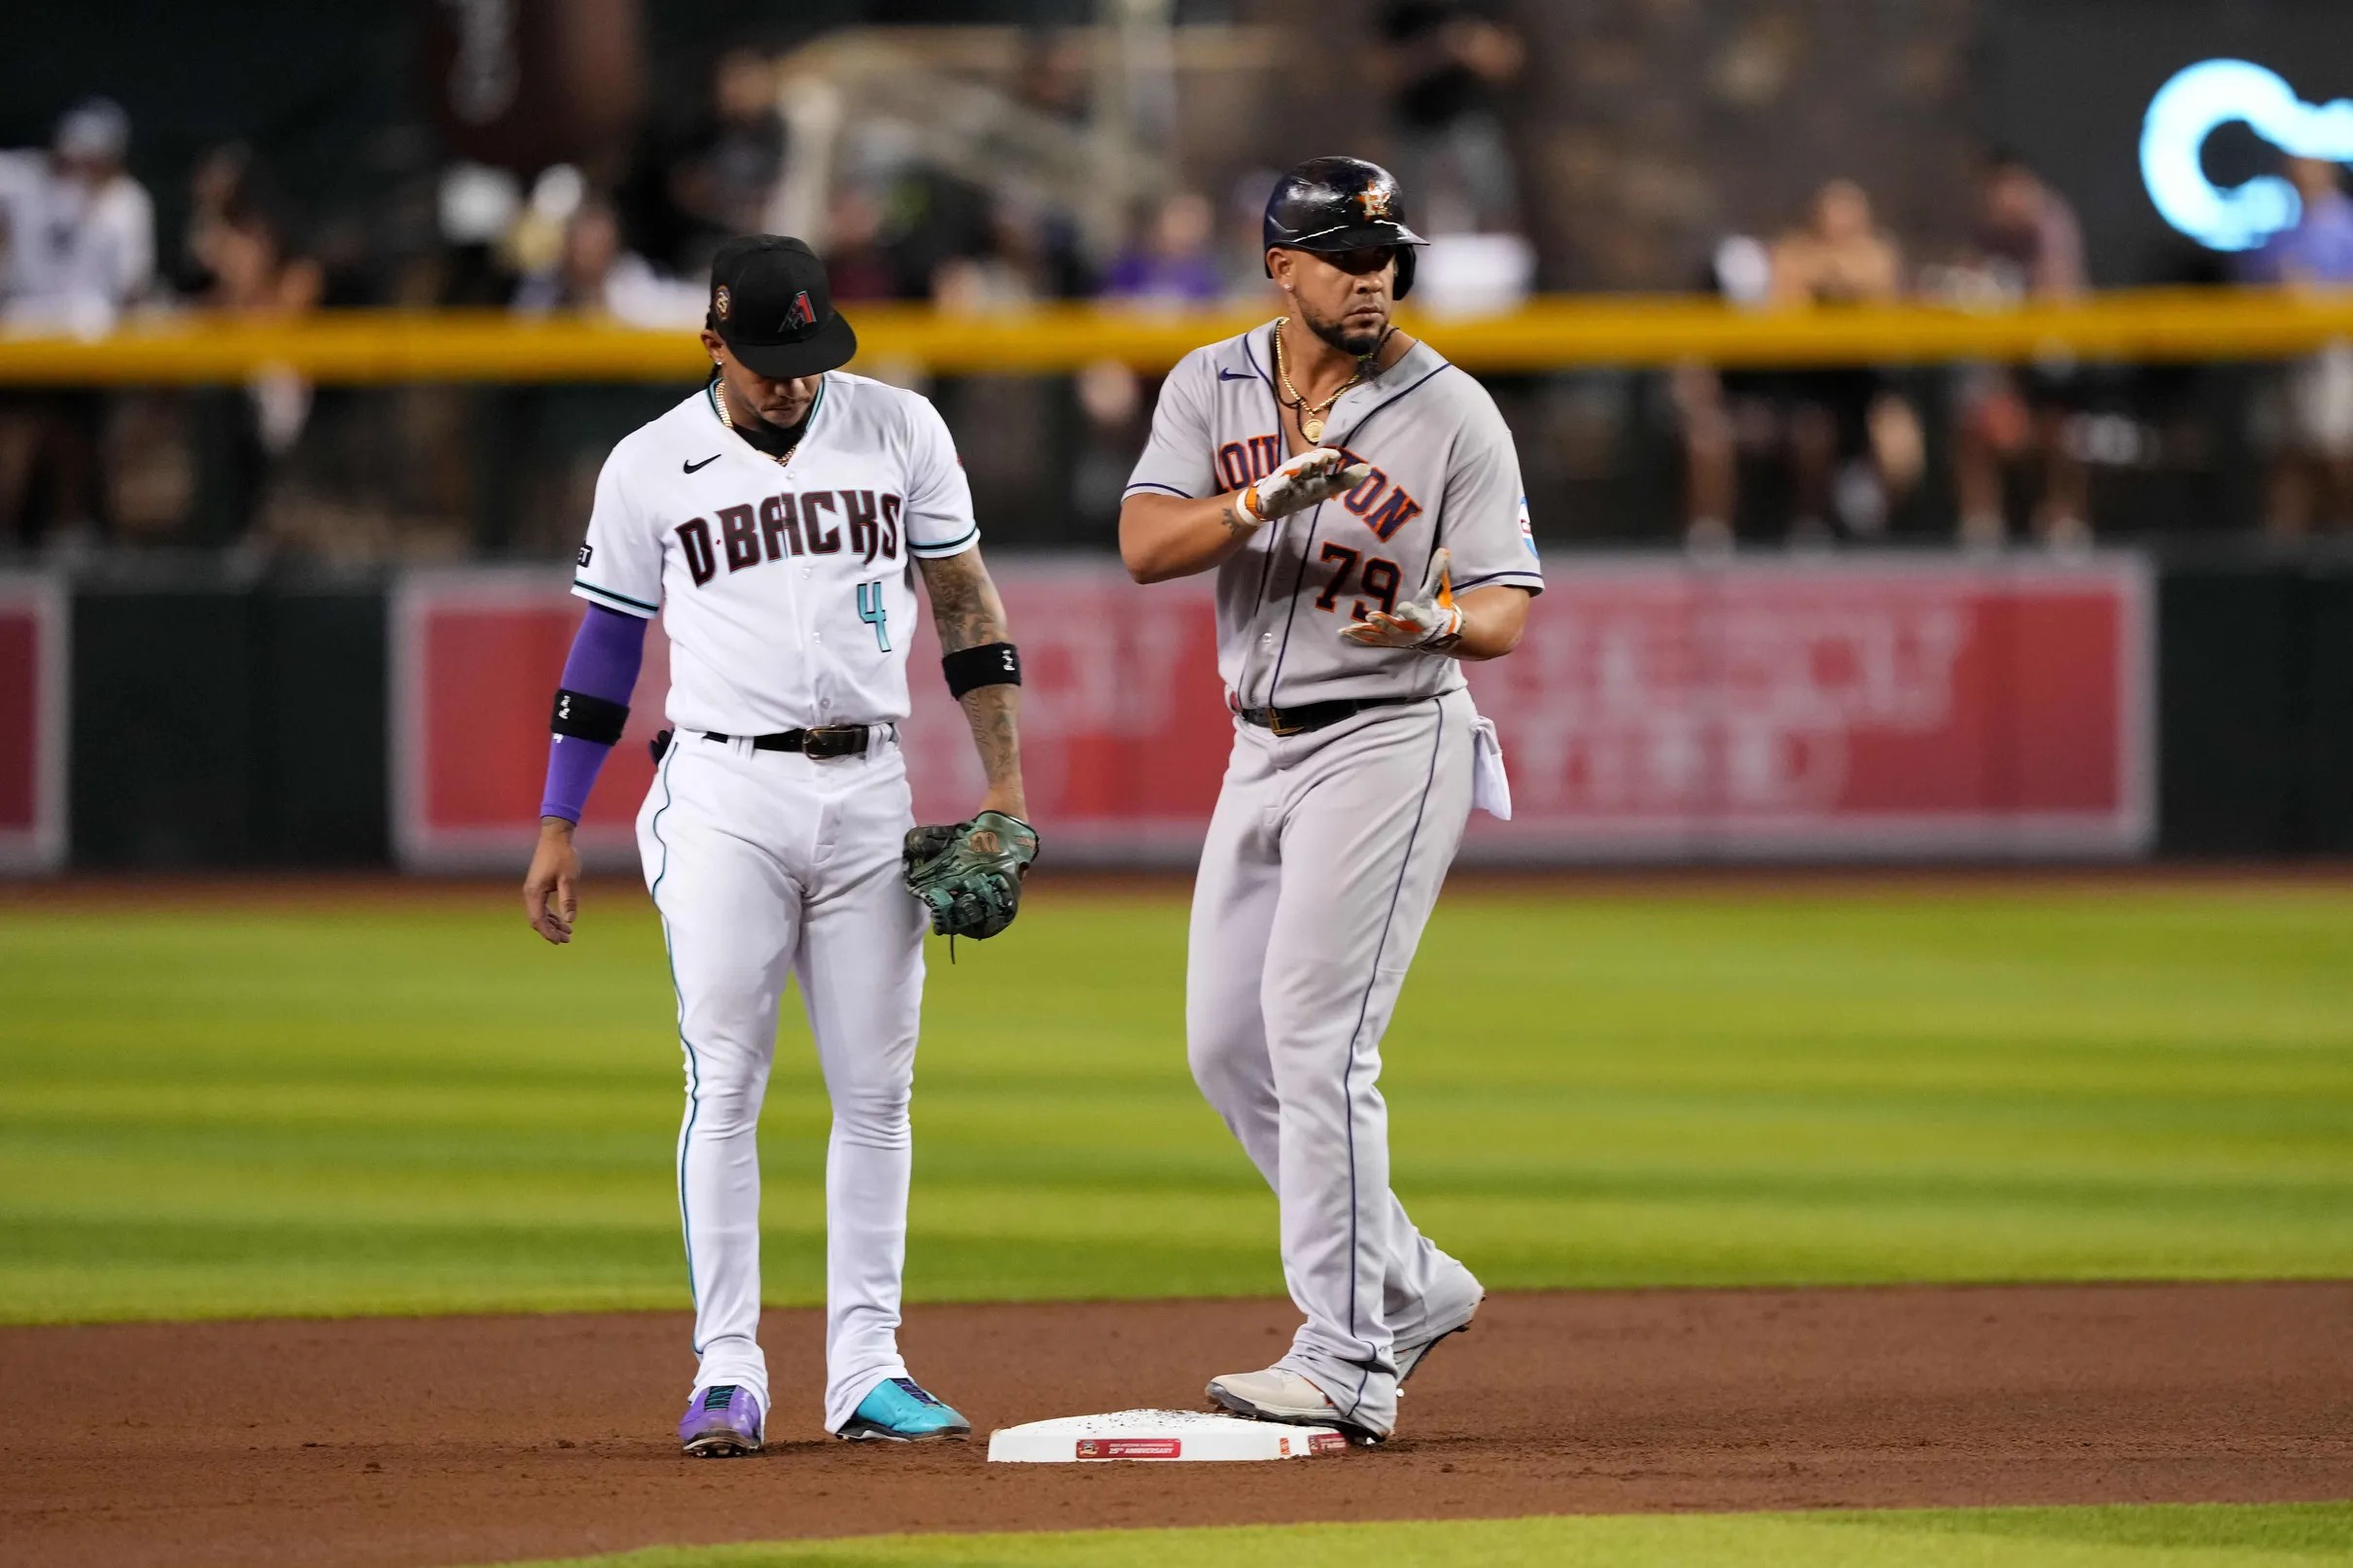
(1276,726)
(828,741)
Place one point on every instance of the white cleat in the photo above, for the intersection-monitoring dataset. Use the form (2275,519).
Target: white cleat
(1281,1395)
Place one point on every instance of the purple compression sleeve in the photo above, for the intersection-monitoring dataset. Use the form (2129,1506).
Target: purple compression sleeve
(606,653)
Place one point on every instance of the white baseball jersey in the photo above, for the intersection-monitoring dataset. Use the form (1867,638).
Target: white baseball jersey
(786,590)
(788,593)
(1444,473)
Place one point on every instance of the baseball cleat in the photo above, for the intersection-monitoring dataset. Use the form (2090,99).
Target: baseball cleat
(901,1410)
(720,1422)
(1279,1394)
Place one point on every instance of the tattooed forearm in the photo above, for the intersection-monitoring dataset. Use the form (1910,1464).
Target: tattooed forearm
(965,606)
(968,613)
(995,715)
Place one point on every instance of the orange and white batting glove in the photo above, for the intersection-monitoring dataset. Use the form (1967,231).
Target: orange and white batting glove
(1316,475)
(1430,620)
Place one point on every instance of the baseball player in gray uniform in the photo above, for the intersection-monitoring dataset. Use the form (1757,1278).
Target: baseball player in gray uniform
(1360,500)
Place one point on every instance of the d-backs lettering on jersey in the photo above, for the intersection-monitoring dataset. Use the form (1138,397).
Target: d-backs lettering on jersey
(770,530)
(1445,471)
(785,589)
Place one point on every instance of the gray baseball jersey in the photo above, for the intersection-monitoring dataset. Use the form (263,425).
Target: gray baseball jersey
(1444,473)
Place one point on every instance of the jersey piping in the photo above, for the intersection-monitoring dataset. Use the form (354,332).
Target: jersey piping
(1266,566)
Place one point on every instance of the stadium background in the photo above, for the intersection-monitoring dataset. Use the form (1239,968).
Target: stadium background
(1896,901)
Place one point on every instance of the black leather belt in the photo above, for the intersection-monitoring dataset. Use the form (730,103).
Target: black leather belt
(1316,716)
(824,741)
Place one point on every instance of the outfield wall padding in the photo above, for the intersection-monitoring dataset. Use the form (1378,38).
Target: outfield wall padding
(245,724)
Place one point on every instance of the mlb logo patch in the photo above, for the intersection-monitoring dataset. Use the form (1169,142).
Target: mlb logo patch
(1528,534)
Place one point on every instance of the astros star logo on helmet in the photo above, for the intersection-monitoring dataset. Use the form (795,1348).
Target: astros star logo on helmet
(1374,199)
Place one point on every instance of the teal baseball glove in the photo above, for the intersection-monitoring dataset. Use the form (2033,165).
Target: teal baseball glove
(968,876)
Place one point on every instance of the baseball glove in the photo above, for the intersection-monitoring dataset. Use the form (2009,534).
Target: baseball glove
(968,876)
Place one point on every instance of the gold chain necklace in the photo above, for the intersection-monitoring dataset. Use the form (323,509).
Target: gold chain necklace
(1312,419)
(718,396)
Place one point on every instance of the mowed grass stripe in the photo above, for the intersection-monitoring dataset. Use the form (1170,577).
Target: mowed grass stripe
(419,1107)
(2160,1536)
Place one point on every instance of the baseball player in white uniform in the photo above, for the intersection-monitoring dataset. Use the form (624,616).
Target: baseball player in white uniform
(776,520)
(1360,500)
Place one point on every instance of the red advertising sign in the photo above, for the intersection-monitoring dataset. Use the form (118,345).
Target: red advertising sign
(33,644)
(1859,706)
(1854,706)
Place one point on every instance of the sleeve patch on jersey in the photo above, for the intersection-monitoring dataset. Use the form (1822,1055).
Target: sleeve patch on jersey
(1528,534)
(588,553)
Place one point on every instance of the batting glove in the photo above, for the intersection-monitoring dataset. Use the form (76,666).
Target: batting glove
(1430,620)
(1313,476)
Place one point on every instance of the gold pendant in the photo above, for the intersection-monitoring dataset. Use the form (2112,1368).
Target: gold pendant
(1311,427)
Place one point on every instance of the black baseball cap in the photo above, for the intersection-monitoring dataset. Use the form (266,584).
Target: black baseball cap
(771,306)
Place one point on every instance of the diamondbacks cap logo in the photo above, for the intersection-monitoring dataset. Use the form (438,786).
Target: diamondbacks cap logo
(1375,200)
(800,313)
(722,302)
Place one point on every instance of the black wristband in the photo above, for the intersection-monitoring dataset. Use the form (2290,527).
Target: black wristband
(992,664)
(588,718)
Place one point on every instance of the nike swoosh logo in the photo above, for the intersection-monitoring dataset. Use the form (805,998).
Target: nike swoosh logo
(704,464)
(1224,375)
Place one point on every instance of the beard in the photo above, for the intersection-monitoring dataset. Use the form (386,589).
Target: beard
(1354,344)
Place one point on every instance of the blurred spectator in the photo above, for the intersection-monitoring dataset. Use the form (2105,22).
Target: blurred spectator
(858,265)
(2311,481)
(1176,264)
(241,257)
(1056,77)
(77,233)
(711,174)
(592,275)
(731,177)
(77,246)
(1004,271)
(2027,246)
(1724,414)
(240,253)
(1444,62)
(1849,444)
(1854,444)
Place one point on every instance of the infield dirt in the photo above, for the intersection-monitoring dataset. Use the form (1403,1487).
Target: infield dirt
(411,1441)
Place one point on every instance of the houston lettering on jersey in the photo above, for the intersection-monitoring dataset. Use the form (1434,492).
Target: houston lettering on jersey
(1384,508)
(808,522)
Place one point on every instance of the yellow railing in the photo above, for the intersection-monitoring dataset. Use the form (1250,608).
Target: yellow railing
(360,347)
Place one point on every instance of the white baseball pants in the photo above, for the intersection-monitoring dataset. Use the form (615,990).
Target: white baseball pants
(1323,861)
(765,866)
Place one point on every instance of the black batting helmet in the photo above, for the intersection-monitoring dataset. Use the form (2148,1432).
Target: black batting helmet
(1341,204)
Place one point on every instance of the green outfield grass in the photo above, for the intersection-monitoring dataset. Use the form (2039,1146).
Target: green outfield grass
(2145,1537)
(415,1107)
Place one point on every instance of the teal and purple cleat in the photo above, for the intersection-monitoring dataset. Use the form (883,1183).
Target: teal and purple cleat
(901,1410)
(720,1422)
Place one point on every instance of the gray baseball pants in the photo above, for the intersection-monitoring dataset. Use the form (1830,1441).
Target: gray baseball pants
(1324,860)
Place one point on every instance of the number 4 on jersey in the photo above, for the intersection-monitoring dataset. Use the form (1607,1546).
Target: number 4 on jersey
(872,610)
